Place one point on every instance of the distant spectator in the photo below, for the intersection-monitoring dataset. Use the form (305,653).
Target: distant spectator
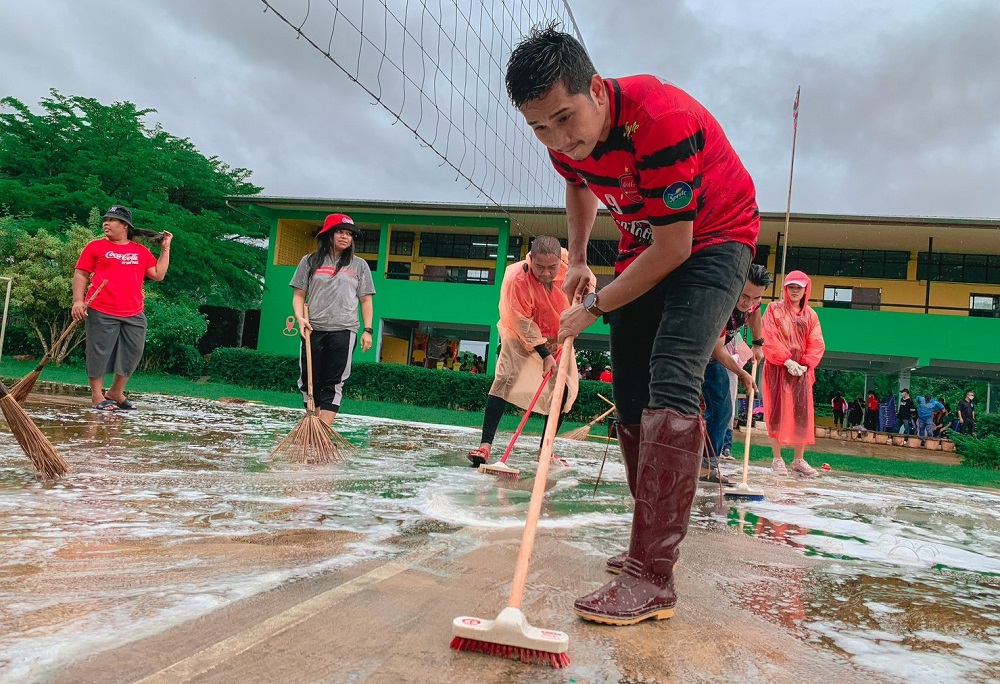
(871,411)
(967,413)
(907,415)
(856,414)
(926,406)
(839,405)
(606,375)
(942,421)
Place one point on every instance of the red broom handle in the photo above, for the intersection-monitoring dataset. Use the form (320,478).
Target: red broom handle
(527,413)
(538,490)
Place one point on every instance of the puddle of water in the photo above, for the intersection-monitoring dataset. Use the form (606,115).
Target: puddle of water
(174,511)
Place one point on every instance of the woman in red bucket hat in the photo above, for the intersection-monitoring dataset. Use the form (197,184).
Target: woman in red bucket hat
(332,281)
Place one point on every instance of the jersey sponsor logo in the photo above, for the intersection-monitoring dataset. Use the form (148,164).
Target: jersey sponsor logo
(127,259)
(638,229)
(629,186)
(329,271)
(678,195)
(630,128)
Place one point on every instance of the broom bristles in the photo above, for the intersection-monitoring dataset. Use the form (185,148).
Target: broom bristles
(313,441)
(22,388)
(47,462)
(528,656)
(579,434)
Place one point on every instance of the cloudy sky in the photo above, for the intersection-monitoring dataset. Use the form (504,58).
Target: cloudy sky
(899,112)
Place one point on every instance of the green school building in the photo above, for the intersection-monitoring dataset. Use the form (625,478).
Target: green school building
(906,296)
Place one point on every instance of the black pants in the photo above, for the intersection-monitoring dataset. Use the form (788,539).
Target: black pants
(331,365)
(838,418)
(495,407)
(662,341)
(968,426)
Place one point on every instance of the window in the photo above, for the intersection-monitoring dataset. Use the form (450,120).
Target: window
(480,276)
(985,306)
(459,246)
(372,265)
(851,263)
(514,244)
(401,243)
(960,268)
(368,244)
(837,297)
(761,255)
(599,252)
(398,270)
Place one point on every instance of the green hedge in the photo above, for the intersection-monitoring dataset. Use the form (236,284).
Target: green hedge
(386,382)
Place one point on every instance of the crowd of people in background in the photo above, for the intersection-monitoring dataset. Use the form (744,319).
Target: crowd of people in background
(926,416)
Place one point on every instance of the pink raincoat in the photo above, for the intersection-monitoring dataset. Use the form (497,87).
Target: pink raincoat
(529,316)
(791,334)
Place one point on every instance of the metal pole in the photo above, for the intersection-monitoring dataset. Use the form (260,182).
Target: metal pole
(3,325)
(930,257)
(791,174)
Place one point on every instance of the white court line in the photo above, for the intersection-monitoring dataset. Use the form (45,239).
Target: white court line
(208,658)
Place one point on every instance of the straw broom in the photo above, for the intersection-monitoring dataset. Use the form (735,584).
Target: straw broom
(581,433)
(48,464)
(510,635)
(312,440)
(22,388)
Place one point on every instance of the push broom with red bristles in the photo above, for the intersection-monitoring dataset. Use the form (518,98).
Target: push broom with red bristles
(500,468)
(510,635)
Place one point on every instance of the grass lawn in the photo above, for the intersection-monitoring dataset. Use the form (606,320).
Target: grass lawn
(171,384)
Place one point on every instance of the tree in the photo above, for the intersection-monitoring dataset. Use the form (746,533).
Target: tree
(41,268)
(76,156)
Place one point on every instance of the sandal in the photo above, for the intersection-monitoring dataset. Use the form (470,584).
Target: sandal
(125,405)
(479,456)
(107,406)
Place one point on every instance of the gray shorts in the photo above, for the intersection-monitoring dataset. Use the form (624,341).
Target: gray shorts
(114,345)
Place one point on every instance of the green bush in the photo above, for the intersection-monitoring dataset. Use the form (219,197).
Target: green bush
(385,382)
(978,452)
(173,327)
(988,425)
(253,369)
(184,360)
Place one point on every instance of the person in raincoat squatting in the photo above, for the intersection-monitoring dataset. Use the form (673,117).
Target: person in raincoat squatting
(531,301)
(793,348)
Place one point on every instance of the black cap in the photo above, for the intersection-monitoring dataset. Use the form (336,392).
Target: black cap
(119,212)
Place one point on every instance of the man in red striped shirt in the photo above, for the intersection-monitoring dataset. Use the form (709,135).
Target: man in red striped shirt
(687,211)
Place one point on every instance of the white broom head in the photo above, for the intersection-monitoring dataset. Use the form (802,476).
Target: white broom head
(510,628)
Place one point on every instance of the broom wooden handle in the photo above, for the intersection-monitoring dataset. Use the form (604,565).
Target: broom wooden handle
(746,442)
(538,490)
(606,400)
(310,402)
(601,417)
(527,413)
(70,328)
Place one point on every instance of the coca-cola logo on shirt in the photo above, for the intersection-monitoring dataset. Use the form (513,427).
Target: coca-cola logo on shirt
(127,259)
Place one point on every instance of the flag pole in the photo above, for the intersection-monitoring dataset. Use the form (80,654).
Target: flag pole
(791,173)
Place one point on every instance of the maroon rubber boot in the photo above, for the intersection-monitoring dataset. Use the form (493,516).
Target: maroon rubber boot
(669,463)
(628,442)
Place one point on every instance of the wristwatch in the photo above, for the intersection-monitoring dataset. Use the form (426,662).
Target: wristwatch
(590,304)
(758,342)
(369,331)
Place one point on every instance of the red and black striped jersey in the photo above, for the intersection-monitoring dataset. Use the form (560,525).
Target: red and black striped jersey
(665,160)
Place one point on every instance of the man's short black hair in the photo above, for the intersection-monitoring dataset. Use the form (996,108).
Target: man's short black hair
(759,275)
(543,59)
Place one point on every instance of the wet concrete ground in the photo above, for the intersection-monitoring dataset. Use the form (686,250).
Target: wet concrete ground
(177,552)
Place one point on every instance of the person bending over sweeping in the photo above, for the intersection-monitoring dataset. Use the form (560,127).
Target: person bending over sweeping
(335,281)
(688,216)
(715,388)
(531,300)
(115,321)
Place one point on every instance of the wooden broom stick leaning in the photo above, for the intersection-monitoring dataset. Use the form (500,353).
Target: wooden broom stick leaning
(23,387)
(48,464)
(581,433)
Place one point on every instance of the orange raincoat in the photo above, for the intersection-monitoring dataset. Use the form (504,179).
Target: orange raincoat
(791,334)
(529,316)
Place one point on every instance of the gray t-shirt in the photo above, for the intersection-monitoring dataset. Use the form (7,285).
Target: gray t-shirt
(333,299)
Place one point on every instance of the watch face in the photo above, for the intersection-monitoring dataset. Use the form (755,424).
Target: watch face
(590,300)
